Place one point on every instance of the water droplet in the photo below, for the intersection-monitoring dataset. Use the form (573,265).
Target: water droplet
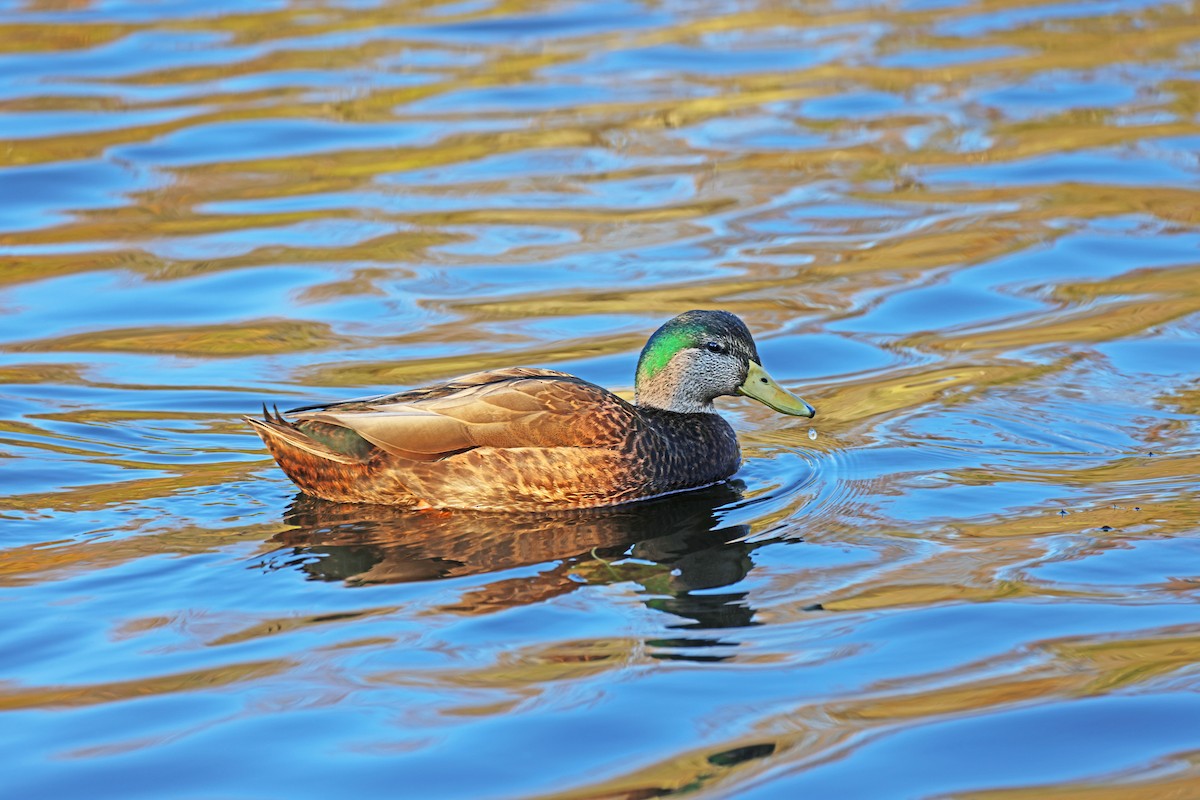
(812,433)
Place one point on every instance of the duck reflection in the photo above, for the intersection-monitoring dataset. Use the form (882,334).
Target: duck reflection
(672,547)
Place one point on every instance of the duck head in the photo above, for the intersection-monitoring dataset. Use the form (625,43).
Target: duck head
(701,355)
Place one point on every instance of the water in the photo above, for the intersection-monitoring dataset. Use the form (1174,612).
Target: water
(969,234)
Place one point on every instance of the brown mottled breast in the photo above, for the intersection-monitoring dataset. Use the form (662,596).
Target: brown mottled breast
(679,451)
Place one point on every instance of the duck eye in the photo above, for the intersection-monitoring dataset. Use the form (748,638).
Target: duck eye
(714,347)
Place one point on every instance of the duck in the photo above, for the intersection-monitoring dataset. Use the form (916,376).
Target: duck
(529,439)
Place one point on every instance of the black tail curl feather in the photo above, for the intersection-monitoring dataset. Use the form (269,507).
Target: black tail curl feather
(277,419)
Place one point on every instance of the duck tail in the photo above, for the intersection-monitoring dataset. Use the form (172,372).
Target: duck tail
(283,438)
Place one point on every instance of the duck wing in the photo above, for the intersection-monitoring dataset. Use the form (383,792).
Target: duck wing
(504,408)
(433,391)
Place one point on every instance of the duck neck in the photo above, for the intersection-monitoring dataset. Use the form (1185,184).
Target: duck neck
(667,390)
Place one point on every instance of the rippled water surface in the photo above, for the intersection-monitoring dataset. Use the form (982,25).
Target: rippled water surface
(969,233)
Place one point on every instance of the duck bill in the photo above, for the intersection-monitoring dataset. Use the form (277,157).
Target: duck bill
(763,388)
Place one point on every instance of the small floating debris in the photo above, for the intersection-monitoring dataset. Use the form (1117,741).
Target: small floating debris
(812,434)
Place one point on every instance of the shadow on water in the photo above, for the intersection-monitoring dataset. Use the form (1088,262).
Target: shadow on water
(671,547)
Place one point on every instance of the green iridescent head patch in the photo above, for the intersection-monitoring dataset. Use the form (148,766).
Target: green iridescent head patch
(662,346)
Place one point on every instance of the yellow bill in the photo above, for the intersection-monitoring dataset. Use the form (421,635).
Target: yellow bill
(763,388)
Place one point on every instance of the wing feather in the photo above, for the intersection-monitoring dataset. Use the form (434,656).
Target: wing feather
(498,409)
